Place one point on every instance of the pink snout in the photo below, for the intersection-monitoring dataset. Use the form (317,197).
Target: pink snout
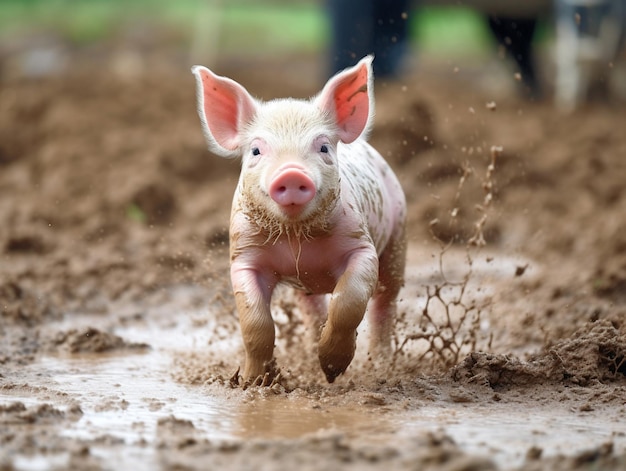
(291,188)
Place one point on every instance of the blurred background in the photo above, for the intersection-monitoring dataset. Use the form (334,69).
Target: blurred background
(43,37)
(548,42)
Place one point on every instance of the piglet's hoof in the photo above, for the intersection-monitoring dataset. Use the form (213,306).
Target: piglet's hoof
(331,371)
(335,358)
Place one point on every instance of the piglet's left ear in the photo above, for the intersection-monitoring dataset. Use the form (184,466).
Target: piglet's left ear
(225,108)
(349,98)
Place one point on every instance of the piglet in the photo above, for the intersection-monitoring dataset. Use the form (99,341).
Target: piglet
(315,207)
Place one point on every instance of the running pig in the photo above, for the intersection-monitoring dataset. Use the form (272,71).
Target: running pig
(315,207)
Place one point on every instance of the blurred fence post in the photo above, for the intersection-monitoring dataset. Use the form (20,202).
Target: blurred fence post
(206,32)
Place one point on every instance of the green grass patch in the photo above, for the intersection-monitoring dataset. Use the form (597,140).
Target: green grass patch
(134,213)
(268,29)
(450,31)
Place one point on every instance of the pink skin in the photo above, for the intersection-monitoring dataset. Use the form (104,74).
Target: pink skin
(316,207)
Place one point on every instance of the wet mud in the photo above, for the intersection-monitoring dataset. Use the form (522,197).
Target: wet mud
(119,338)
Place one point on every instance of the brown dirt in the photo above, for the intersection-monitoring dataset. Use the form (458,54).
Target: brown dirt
(111,208)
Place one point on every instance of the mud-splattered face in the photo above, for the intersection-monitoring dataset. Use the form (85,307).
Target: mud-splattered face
(289,180)
(290,177)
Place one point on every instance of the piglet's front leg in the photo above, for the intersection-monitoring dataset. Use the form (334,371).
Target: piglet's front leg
(252,296)
(346,310)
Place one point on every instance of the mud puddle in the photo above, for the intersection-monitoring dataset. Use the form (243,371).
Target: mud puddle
(132,396)
(128,399)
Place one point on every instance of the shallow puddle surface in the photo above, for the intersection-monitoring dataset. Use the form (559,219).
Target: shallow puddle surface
(124,396)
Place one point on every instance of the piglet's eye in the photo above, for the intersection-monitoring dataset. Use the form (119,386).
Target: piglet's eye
(324,149)
(256,151)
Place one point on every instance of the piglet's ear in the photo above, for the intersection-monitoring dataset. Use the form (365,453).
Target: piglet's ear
(224,108)
(349,98)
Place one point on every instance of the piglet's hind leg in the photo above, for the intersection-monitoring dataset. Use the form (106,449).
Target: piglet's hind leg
(383,307)
(314,308)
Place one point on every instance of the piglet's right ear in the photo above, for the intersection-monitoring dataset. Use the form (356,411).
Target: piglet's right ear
(349,98)
(224,108)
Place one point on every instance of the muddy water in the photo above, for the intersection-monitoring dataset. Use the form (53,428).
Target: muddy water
(126,396)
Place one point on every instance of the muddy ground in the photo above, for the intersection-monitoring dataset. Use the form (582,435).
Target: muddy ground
(119,336)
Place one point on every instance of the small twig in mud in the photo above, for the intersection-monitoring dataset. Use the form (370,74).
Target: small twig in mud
(450,318)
